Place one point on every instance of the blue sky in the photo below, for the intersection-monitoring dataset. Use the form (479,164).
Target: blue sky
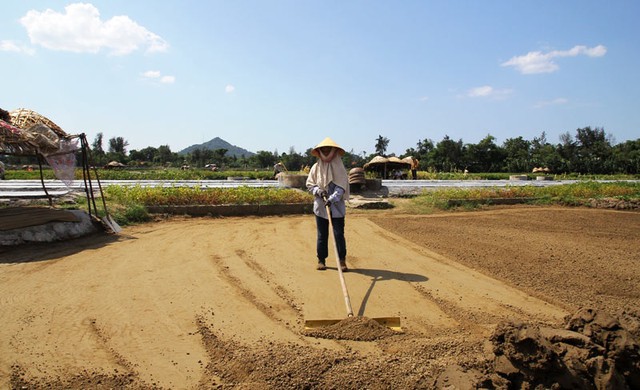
(282,74)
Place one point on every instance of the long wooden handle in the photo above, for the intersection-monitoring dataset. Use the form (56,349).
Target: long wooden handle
(347,300)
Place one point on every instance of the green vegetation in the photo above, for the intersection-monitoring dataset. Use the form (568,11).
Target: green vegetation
(169,174)
(590,151)
(178,174)
(129,204)
(131,214)
(145,174)
(578,194)
(457,175)
(181,196)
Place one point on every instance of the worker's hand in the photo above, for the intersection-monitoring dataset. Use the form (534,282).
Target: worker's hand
(322,193)
(327,202)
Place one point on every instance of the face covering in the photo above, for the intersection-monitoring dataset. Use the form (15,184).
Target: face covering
(327,157)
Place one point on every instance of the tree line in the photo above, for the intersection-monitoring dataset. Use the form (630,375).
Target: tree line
(589,151)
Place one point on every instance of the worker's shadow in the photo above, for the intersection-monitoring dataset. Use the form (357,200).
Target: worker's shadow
(380,275)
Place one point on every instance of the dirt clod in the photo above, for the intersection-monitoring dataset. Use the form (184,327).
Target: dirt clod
(593,352)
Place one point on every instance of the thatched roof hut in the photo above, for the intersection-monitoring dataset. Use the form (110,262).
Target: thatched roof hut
(383,165)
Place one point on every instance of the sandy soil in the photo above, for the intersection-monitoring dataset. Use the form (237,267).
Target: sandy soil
(221,302)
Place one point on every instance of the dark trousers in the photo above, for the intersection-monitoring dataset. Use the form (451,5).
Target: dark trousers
(322,246)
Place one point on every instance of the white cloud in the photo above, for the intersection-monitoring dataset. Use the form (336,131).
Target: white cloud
(14,47)
(79,29)
(229,88)
(489,92)
(538,62)
(554,102)
(151,74)
(480,91)
(424,98)
(156,75)
(168,79)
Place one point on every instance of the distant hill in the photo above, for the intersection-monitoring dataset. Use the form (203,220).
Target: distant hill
(219,143)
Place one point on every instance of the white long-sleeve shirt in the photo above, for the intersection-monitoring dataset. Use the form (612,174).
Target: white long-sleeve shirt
(338,207)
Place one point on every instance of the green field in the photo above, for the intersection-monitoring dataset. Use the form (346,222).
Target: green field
(129,204)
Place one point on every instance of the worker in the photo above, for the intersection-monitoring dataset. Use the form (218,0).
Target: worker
(278,168)
(1,170)
(329,183)
(414,168)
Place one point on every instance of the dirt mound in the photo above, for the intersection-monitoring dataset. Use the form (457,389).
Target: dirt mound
(593,352)
(353,328)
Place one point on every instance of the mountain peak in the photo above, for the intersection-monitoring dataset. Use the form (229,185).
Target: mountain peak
(219,143)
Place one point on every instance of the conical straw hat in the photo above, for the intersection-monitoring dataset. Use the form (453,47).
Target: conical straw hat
(327,142)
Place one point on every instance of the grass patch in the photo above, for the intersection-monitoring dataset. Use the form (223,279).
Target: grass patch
(128,205)
(173,173)
(430,175)
(129,173)
(577,194)
(184,196)
(131,215)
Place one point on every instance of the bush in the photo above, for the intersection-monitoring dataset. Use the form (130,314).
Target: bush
(136,214)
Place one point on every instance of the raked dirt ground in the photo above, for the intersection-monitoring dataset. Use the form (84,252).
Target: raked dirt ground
(190,303)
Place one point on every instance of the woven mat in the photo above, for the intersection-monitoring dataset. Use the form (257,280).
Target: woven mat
(20,217)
